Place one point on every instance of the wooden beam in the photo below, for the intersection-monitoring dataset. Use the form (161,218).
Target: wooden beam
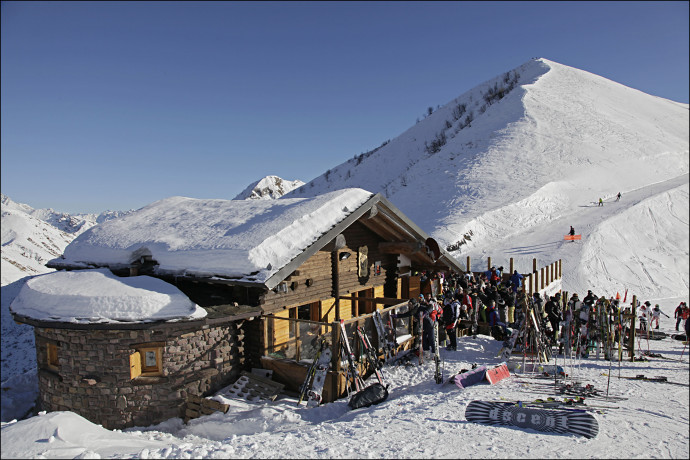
(400,247)
(382,300)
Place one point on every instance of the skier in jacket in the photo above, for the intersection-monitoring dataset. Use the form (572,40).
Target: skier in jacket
(451,313)
(429,314)
(516,278)
(656,315)
(495,322)
(553,311)
(645,315)
(590,297)
(678,314)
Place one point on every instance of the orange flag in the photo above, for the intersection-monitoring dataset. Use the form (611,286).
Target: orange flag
(618,296)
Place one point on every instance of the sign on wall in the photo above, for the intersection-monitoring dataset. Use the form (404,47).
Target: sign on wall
(363,261)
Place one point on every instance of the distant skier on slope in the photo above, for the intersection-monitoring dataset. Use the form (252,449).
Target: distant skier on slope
(572,231)
(601,202)
(618,197)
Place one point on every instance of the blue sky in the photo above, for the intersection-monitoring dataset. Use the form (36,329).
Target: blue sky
(113,105)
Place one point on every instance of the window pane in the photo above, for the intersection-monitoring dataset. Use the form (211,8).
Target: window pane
(304,312)
(150,359)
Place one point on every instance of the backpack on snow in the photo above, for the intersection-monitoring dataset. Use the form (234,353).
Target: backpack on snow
(373,394)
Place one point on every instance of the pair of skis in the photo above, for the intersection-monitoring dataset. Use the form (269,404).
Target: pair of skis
(370,353)
(660,379)
(387,341)
(354,380)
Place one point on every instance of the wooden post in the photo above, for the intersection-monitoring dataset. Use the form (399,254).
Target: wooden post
(534,265)
(560,268)
(512,267)
(335,360)
(298,342)
(536,281)
(528,284)
(542,278)
(488,263)
(631,344)
(336,283)
(469,266)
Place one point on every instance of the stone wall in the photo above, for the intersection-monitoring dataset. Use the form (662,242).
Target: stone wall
(93,375)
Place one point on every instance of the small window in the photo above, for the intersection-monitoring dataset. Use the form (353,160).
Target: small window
(146,361)
(52,356)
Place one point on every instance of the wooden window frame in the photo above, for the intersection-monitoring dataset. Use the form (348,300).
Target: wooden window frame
(137,361)
(52,356)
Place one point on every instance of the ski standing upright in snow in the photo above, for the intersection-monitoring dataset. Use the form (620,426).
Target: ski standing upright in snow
(352,371)
(438,372)
(370,353)
(310,374)
(322,366)
(384,342)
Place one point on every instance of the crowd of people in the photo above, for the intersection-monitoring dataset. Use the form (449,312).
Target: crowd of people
(501,302)
(487,298)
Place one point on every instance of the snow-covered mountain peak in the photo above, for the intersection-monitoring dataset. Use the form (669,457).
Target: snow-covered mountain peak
(268,188)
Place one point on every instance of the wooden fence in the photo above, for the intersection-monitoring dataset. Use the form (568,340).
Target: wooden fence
(535,281)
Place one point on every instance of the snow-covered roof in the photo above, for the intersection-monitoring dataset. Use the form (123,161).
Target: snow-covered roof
(98,296)
(244,240)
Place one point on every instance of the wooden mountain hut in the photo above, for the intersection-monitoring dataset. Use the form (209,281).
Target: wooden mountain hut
(274,276)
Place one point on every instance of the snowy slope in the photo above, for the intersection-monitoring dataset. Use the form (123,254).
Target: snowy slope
(268,188)
(27,244)
(556,142)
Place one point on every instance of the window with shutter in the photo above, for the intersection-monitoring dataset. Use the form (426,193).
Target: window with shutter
(135,365)
(52,356)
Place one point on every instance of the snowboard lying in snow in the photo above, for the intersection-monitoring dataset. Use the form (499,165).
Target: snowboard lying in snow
(498,373)
(561,421)
(466,379)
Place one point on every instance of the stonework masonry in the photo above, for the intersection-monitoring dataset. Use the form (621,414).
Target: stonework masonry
(93,373)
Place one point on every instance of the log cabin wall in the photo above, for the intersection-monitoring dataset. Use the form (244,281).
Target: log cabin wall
(313,285)
(356,236)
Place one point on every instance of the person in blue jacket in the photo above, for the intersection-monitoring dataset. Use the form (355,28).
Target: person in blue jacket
(495,321)
(516,278)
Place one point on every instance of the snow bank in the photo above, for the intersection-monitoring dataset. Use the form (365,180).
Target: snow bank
(68,435)
(97,296)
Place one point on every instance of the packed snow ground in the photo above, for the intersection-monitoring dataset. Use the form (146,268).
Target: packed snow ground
(420,419)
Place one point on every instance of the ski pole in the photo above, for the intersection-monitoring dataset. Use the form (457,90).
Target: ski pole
(608,381)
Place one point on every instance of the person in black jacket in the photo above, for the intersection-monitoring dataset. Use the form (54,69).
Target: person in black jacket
(590,297)
(553,312)
(429,315)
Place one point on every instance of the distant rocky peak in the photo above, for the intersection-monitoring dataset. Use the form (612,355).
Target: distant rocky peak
(268,188)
